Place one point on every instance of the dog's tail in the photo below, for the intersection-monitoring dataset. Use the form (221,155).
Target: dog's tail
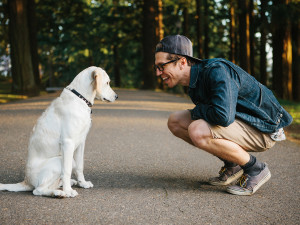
(23,186)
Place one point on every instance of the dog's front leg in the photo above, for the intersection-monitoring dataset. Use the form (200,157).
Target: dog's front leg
(67,146)
(79,159)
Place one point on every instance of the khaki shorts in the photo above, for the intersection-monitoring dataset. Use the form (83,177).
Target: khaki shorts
(248,137)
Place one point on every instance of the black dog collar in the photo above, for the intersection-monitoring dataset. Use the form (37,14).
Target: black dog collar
(80,96)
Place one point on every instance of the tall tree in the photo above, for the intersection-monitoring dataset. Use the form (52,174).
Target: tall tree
(159,32)
(199,17)
(23,47)
(282,50)
(263,41)
(287,59)
(206,29)
(296,51)
(186,25)
(149,42)
(232,32)
(244,35)
(251,37)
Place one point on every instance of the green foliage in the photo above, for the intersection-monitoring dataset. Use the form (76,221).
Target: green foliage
(75,34)
(293,108)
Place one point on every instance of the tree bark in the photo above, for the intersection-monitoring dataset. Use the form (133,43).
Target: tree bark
(287,61)
(232,32)
(24,81)
(149,43)
(263,41)
(251,38)
(282,50)
(206,29)
(296,60)
(244,35)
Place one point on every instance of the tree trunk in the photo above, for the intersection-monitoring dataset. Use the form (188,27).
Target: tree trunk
(282,50)
(277,37)
(244,35)
(159,33)
(199,17)
(185,20)
(149,43)
(33,41)
(287,61)
(232,32)
(206,29)
(263,41)
(251,38)
(296,60)
(24,81)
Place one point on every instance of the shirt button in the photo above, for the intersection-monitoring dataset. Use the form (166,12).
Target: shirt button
(281,115)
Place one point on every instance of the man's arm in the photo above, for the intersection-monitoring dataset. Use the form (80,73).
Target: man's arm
(223,92)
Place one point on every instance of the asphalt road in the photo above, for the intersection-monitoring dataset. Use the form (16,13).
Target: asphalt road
(141,173)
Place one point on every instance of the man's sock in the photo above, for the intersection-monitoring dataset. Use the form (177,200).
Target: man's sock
(228,164)
(253,167)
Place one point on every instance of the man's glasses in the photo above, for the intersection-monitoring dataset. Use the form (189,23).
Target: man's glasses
(161,66)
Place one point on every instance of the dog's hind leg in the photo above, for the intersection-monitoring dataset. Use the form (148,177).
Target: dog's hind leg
(48,179)
(23,186)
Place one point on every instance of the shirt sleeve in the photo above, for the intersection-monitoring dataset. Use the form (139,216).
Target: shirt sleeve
(223,92)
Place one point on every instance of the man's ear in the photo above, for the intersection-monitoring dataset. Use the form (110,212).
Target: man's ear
(96,80)
(183,62)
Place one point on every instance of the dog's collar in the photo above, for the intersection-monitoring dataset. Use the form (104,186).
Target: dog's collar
(80,96)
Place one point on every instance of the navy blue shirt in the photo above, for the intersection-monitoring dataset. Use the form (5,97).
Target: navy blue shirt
(222,91)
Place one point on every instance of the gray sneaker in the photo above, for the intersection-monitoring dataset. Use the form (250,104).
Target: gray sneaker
(227,175)
(248,185)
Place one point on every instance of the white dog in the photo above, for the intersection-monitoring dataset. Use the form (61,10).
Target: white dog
(56,145)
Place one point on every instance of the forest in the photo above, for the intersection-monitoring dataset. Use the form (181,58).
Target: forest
(45,43)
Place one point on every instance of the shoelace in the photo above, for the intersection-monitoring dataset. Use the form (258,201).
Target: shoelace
(222,170)
(243,181)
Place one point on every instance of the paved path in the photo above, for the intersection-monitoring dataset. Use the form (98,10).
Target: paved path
(141,173)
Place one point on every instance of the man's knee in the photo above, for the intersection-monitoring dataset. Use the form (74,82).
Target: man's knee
(173,122)
(200,133)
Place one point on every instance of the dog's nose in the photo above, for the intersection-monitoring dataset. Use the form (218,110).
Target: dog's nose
(116,97)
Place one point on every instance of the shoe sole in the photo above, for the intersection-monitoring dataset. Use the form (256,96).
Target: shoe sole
(228,181)
(240,192)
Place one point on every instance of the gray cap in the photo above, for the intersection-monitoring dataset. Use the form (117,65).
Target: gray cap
(176,44)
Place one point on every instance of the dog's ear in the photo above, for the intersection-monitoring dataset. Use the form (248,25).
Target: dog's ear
(96,79)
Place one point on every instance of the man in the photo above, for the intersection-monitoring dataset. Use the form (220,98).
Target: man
(234,114)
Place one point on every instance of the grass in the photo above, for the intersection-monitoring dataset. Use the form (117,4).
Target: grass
(5,96)
(293,131)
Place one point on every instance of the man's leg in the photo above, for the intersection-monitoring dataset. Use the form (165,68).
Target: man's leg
(198,133)
(179,123)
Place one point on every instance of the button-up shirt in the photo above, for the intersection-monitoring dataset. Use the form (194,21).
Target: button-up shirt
(222,91)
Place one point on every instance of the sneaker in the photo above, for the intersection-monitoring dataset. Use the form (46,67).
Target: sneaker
(248,185)
(227,175)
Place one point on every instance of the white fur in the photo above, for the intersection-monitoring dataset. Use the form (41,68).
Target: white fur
(56,145)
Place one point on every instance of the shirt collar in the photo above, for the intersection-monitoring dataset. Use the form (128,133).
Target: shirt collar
(195,71)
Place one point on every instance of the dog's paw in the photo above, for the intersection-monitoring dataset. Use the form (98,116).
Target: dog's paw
(73,182)
(59,194)
(85,184)
(71,193)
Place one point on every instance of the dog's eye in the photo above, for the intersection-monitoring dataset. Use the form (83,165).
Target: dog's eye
(107,83)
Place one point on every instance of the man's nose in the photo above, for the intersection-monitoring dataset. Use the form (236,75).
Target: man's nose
(158,72)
